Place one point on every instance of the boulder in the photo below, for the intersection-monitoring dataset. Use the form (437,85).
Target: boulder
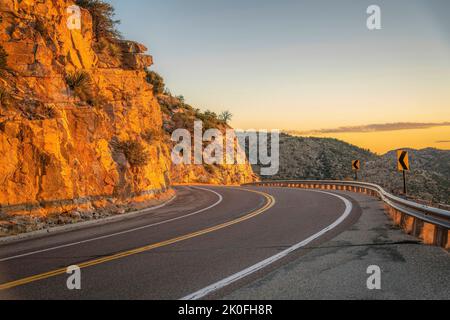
(137,61)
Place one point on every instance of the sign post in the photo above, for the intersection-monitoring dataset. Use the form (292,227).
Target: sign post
(403,166)
(356,166)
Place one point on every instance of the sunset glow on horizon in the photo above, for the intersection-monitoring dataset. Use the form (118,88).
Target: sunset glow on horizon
(382,142)
(305,65)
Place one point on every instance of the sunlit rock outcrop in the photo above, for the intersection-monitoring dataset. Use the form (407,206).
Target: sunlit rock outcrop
(65,147)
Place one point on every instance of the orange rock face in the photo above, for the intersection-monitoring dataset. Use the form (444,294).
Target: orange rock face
(58,152)
(61,149)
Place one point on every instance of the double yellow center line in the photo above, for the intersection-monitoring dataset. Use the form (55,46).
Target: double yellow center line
(270,202)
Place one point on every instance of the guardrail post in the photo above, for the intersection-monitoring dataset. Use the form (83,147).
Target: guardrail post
(392,213)
(418,226)
(441,237)
(408,223)
(429,233)
(397,217)
(448,240)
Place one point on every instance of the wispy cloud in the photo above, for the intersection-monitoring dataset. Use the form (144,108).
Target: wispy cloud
(375,128)
(443,141)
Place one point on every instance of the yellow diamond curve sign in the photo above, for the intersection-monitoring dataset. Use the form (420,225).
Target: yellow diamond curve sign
(403,160)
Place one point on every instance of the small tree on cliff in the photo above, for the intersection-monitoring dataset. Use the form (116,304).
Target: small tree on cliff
(102,18)
(156,81)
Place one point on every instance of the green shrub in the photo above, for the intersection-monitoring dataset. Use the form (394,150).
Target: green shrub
(210,115)
(135,153)
(181,98)
(3,58)
(102,18)
(165,109)
(156,81)
(209,119)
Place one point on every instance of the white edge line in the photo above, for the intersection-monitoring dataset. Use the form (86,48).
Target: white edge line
(122,232)
(263,264)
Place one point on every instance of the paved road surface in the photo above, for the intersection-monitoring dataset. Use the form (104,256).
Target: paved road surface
(215,242)
(337,269)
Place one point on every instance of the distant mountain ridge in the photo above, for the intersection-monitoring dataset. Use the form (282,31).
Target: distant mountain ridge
(330,159)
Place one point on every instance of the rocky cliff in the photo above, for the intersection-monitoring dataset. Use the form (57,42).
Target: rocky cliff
(178,114)
(80,127)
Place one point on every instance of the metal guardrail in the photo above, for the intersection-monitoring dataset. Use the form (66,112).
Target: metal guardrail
(435,216)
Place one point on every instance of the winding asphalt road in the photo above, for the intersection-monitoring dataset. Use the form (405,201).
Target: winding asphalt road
(207,243)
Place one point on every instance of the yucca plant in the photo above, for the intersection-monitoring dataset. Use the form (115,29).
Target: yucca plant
(77,79)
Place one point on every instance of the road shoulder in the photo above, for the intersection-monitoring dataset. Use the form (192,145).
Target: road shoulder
(338,268)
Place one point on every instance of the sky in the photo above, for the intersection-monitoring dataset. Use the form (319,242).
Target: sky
(306,65)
